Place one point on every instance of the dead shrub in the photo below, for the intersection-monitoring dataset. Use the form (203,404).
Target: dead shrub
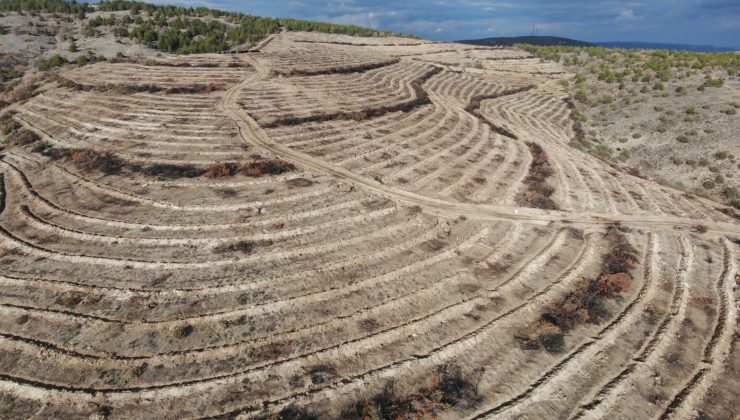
(587,302)
(86,159)
(538,193)
(261,167)
(220,170)
(447,387)
(299,182)
(184,331)
(700,229)
(91,160)
(22,137)
(168,171)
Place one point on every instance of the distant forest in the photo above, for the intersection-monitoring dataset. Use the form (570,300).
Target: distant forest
(183,30)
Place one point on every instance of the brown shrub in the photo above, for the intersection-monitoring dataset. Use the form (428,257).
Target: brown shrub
(168,171)
(261,167)
(611,284)
(93,160)
(538,193)
(587,302)
(447,386)
(220,170)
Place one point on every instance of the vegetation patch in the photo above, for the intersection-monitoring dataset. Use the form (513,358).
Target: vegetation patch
(538,192)
(87,160)
(261,167)
(148,88)
(169,171)
(587,303)
(447,387)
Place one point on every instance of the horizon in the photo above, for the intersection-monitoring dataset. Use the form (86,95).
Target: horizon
(694,22)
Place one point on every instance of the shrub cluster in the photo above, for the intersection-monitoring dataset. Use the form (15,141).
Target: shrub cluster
(538,193)
(447,387)
(587,303)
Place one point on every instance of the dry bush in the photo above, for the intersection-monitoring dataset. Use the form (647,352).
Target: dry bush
(245,247)
(261,167)
(184,331)
(587,302)
(86,159)
(168,171)
(447,387)
(22,137)
(538,193)
(92,160)
(700,229)
(220,170)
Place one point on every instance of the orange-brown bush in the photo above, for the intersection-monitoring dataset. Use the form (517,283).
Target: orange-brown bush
(220,170)
(260,167)
(587,302)
(93,160)
(447,386)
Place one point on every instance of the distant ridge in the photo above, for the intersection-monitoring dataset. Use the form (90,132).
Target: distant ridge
(533,40)
(660,46)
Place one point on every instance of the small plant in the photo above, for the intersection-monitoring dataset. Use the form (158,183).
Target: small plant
(691,110)
(700,229)
(636,135)
(184,331)
(55,61)
(139,370)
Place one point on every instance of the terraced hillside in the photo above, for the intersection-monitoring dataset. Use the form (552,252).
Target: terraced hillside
(338,227)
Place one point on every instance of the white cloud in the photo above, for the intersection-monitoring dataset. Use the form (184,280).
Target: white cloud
(626,16)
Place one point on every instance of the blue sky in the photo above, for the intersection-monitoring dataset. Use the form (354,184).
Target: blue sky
(715,22)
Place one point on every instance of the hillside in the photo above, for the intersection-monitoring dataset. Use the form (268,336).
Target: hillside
(328,226)
(668,115)
(531,40)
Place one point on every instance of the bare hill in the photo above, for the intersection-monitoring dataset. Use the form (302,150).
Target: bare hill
(329,226)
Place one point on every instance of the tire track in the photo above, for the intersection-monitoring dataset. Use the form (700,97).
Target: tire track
(718,348)
(656,347)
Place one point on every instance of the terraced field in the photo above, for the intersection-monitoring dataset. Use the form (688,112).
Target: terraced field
(430,247)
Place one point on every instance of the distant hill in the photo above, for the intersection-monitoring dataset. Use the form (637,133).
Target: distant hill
(533,40)
(659,46)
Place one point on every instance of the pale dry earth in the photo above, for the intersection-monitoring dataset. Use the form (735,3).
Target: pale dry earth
(398,245)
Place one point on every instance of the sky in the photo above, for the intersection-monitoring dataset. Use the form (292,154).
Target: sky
(698,22)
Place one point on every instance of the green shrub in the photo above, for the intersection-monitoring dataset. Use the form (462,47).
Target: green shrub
(636,135)
(721,155)
(691,110)
(703,162)
(55,61)
(709,185)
